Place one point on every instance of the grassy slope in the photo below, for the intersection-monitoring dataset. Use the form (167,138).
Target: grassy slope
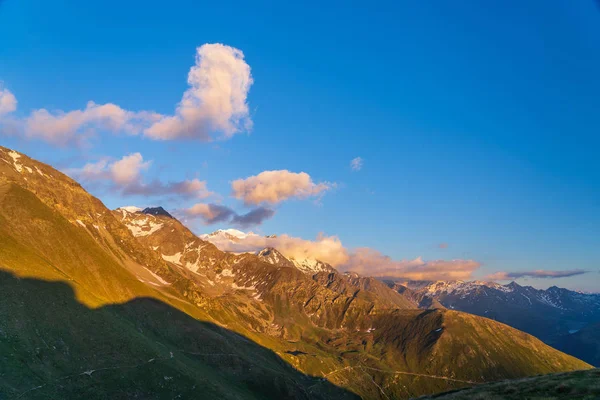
(579,385)
(39,242)
(412,352)
(50,340)
(45,335)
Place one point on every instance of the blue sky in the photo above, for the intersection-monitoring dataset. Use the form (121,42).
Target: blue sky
(478,124)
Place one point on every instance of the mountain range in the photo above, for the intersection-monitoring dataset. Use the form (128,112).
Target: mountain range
(554,315)
(130,303)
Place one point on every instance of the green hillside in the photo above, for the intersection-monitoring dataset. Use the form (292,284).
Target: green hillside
(53,347)
(579,385)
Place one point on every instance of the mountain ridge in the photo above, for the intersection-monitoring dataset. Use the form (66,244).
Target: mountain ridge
(353,331)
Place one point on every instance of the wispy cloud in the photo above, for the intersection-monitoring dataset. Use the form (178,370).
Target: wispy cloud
(365,261)
(253,217)
(210,213)
(214,106)
(371,262)
(443,245)
(214,213)
(188,188)
(356,164)
(8,102)
(276,186)
(539,273)
(125,176)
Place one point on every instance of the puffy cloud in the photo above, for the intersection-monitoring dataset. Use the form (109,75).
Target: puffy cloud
(8,102)
(214,105)
(356,164)
(370,262)
(125,175)
(91,171)
(539,273)
(276,186)
(216,100)
(214,213)
(127,170)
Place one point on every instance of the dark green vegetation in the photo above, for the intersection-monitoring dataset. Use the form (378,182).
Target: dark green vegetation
(89,310)
(53,347)
(579,385)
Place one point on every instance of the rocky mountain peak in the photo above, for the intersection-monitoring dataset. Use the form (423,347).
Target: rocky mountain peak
(156,211)
(273,256)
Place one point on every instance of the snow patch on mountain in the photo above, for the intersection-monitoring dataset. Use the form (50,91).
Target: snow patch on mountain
(272,256)
(306,265)
(131,209)
(226,234)
(310,265)
(15,156)
(157,277)
(561,299)
(175,258)
(142,226)
(40,172)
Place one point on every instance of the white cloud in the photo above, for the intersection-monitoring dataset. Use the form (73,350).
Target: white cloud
(125,175)
(276,186)
(215,106)
(62,127)
(127,170)
(356,164)
(216,100)
(122,172)
(8,102)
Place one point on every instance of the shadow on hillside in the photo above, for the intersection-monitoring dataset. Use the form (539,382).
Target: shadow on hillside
(52,346)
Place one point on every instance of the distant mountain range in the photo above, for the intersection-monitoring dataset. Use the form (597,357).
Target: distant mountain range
(552,315)
(130,303)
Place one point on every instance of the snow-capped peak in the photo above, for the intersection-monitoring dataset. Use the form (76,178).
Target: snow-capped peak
(231,234)
(463,287)
(272,256)
(236,233)
(310,265)
(306,265)
(131,209)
